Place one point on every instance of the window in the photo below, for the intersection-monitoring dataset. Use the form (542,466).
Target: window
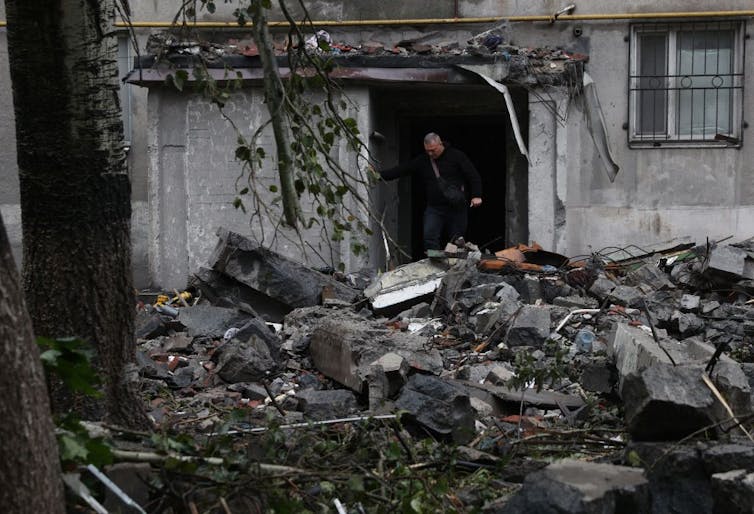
(686,84)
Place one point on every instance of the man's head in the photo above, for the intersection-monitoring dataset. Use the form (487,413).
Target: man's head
(433,145)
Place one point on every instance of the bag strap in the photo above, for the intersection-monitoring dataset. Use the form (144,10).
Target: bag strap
(437,172)
(434,167)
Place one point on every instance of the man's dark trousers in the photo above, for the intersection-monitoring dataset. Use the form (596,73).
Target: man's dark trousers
(443,223)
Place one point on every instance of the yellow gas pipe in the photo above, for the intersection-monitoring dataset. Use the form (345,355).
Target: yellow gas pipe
(448,21)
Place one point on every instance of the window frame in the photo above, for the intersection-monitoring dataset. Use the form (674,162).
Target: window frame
(672,137)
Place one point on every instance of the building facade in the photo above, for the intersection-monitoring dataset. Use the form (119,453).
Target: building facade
(653,149)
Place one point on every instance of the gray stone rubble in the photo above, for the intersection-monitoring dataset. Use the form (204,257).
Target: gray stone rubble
(459,351)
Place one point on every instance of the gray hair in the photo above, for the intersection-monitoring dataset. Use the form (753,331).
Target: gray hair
(432,138)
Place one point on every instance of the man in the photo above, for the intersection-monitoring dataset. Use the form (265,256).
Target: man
(442,221)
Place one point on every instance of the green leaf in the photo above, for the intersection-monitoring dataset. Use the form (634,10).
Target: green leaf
(238,204)
(243,153)
(50,357)
(273,188)
(179,79)
(243,191)
(70,360)
(210,7)
(356,483)
(633,459)
(260,152)
(327,487)
(71,449)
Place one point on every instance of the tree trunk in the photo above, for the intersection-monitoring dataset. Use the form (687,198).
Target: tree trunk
(29,465)
(275,96)
(75,192)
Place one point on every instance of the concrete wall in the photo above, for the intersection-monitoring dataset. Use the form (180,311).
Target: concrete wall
(658,195)
(194,178)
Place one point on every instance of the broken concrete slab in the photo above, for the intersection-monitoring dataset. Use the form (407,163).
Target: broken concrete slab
(272,274)
(731,260)
(633,350)
(531,327)
(150,325)
(460,275)
(728,375)
(576,302)
(244,360)
(344,350)
(300,324)
(678,481)
(733,492)
(579,487)
(598,376)
(326,404)
(386,376)
(530,289)
(719,458)
(602,287)
(666,402)
(438,406)
(223,291)
(626,296)
(506,292)
(205,320)
(688,323)
(396,370)
(505,398)
(650,275)
(690,302)
(405,284)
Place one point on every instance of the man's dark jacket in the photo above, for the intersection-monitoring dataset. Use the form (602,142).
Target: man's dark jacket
(454,167)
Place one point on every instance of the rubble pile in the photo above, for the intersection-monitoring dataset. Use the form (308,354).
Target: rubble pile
(494,353)
(544,65)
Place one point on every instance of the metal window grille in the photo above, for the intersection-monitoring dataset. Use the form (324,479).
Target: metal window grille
(686,83)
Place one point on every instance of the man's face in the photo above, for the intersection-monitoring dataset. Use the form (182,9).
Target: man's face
(434,149)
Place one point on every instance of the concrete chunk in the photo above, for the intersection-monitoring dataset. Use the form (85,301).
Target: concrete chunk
(407,283)
(649,274)
(327,404)
(730,259)
(246,360)
(598,376)
(438,406)
(272,274)
(578,487)
(633,350)
(531,327)
(626,296)
(601,287)
(733,492)
(690,302)
(665,402)
(344,350)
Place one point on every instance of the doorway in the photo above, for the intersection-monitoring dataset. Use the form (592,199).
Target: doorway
(482,139)
(472,118)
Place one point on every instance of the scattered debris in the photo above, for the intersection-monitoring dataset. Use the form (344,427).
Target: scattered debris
(520,356)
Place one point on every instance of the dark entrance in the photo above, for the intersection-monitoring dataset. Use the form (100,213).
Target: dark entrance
(483,139)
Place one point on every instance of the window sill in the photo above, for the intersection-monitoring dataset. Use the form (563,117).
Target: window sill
(682,144)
